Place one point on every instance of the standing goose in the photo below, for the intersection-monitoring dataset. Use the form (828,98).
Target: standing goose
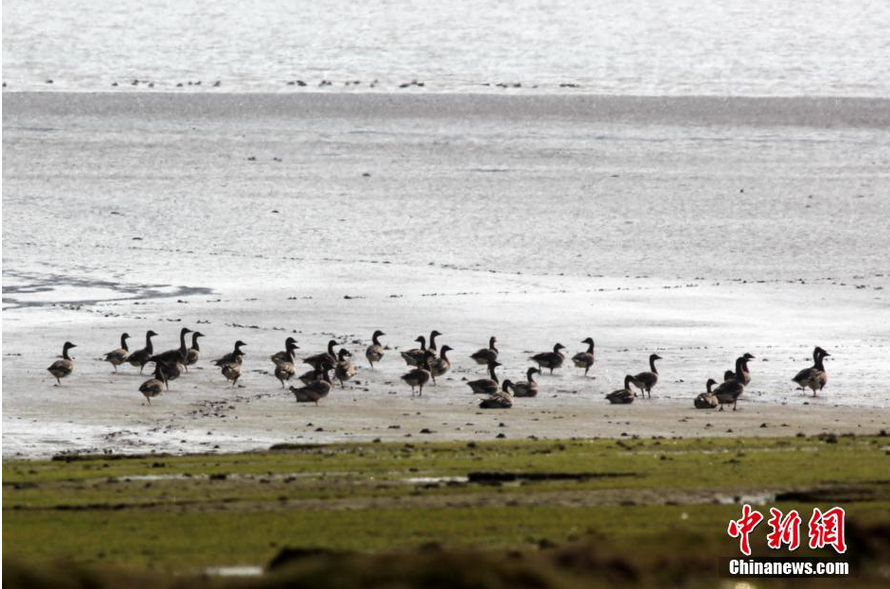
(731,389)
(374,353)
(313,392)
(62,368)
(815,377)
(707,400)
(326,360)
(179,354)
(623,396)
(194,352)
(432,347)
(232,371)
(119,356)
(486,355)
(415,356)
(646,381)
(550,360)
(172,370)
(420,375)
(442,364)
(728,375)
(527,387)
(284,356)
(286,369)
(345,369)
(154,386)
(141,357)
(486,386)
(500,399)
(236,355)
(585,359)
(746,374)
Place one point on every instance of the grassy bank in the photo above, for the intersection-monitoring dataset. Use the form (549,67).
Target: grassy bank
(668,499)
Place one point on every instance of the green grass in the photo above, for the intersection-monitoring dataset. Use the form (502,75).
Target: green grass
(356,498)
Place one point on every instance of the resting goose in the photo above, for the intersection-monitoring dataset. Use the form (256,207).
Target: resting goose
(179,354)
(236,355)
(550,360)
(486,386)
(486,355)
(154,386)
(440,365)
(62,368)
(646,381)
(707,400)
(500,399)
(119,356)
(623,396)
(420,375)
(314,391)
(141,357)
(414,356)
(345,369)
(284,356)
(326,360)
(814,378)
(374,353)
(194,352)
(527,387)
(585,359)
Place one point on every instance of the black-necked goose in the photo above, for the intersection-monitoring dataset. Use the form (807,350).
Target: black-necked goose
(286,369)
(284,355)
(623,396)
(746,373)
(420,375)
(432,347)
(550,360)
(486,355)
(154,386)
(585,359)
(194,352)
(62,368)
(815,377)
(119,356)
(345,369)
(646,381)
(326,360)
(486,386)
(141,357)
(375,351)
(731,389)
(527,387)
(707,400)
(179,354)
(500,399)
(415,356)
(314,391)
(440,365)
(236,355)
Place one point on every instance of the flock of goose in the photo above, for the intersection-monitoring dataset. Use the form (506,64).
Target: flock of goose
(427,362)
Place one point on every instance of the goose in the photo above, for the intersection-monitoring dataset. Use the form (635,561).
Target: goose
(746,380)
(645,381)
(486,386)
(154,386)
(432,347)
(285,369)
(707,400)
(345,369)
(527,387)
(309,376)
(585,359)
(623,396)
(550,360)
(486,355)
(374,353)
(728,375)
(440,365)
(179,354)
(119,356)
(141,357)
(326,360)
(284,356)
(172,371)
(414,356)
(313,392)
(731,389)
(814,377)
(500,399)
(62,368)
(236,355)
(420,375)
(232,371)
(194,352)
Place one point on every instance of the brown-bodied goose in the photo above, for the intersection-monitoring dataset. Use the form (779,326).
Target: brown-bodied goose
(486,386)
(236,355)
(194,352)
(440,365)
(707,400)
(374,353)
(486,355)
(179,354)
(550,360)
(585,359)
(527,387)
(728,375)
(815,377)
(415,356)
(345,369)
(623,396)
(286,369)
(646,381)
(420,375)
(314,391)
(172,371)
(154,386)
(119,356)
(500,399)
(326,360)
(141,357)
(284,355)
(731,389)
(232,371)
(62,368)
(746,374)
